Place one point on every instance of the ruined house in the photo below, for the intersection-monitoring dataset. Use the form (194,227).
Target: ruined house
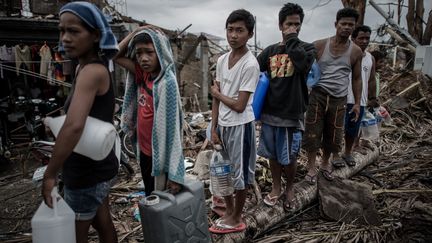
(195,54)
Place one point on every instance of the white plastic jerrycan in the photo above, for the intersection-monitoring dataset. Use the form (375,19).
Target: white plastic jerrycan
(57,224)
(97,138)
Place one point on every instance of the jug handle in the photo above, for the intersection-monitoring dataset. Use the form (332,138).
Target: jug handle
(165,195)
(54,196)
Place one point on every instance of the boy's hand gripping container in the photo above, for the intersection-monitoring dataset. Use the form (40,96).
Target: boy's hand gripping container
(55,224)
(168,218)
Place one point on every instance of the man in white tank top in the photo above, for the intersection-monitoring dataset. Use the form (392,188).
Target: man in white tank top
(361,37)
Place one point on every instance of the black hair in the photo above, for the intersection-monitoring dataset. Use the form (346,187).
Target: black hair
(242,15)
(362,28)
(142,38)
(290,9)
(347,13)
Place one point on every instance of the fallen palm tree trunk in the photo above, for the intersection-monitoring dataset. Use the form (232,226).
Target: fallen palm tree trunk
(261,217)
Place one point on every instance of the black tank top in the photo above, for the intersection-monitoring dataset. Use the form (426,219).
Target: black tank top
(80,171)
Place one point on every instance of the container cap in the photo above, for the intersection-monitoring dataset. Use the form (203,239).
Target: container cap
(151,200)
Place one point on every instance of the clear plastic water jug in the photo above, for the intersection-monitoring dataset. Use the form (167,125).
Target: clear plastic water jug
(55,224)
(221,182)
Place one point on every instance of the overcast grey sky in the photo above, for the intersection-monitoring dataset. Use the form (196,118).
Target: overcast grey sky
(210,15)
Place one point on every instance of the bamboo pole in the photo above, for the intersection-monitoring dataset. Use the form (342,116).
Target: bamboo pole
(261,217)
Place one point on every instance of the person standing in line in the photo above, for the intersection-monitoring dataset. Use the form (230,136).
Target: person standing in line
(337,57)
(84,34)
(361,37)
(233,125)
(151,110)
(287,63)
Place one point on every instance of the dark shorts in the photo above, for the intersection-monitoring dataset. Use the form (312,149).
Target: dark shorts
(324,121)
(280,143)
(85,202)
(352,128)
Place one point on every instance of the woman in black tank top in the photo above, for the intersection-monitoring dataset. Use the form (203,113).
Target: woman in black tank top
(87,182)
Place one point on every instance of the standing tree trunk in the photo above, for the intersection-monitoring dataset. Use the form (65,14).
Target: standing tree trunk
(410,18)
(427,35)
(359,5)
(414,19)
(399,11)
(419,20)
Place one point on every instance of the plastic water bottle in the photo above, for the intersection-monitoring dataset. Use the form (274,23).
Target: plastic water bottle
(221,183)
(260,94)
(369,126)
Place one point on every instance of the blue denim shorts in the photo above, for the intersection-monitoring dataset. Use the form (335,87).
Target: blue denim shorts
(280,143)
(85,202)
(352,128)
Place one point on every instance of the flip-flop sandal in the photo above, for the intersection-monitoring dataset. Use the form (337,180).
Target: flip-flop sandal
(311,179)
(338,163)
(217,221)
(271,200)
(350,161)
(328,174)
(221,228)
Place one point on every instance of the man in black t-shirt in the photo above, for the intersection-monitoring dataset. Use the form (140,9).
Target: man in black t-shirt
(287,64)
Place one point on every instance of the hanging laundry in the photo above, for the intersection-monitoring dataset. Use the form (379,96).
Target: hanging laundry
(46,57)
(7,54)
(58,67)
(22,56)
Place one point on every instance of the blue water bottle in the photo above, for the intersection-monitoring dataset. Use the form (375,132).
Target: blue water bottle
(260,94)
(314,75)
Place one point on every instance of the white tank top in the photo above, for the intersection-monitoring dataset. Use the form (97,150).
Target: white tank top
(366,68)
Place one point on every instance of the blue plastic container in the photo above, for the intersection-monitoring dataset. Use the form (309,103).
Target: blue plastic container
(260,94)
(314,75)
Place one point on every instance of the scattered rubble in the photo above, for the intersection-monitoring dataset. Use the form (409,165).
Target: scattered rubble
(400,181)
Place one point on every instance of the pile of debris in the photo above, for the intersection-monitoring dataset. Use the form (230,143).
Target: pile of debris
(400,180)
(398,184)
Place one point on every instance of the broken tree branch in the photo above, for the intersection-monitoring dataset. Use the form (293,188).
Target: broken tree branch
(412,86)
(380,191)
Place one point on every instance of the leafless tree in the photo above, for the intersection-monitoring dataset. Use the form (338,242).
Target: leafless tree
(359,5)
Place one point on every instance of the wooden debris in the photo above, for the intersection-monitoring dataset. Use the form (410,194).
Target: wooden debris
(262,217)
(347,201)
